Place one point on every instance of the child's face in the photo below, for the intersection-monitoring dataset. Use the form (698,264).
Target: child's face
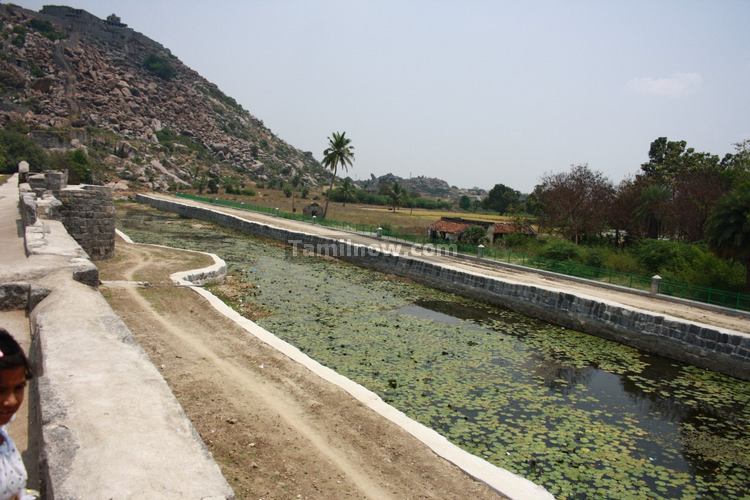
(12,383)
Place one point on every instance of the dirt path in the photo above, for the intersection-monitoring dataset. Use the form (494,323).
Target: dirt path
(653,304)
(276,429)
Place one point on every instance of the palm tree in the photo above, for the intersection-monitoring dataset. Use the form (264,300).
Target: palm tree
(652,208)
(728,227)
(396,194)
(347,191)
(339,152)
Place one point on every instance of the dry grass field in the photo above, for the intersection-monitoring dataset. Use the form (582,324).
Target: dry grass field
(404,220)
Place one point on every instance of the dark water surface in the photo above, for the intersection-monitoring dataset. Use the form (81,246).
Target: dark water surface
(583,416)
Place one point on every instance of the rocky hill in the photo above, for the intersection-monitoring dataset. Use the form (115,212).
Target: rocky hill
(425,186)
(73,80)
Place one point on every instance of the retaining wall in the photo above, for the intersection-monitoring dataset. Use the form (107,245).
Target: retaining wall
(710,347)
(88,214)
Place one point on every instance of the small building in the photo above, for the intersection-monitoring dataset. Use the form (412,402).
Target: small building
(114,20)
(500,229)
(447,229)
(451,228)
(313,209)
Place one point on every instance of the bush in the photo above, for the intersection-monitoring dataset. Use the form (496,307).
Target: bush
(78,165)
(46,29)
(288,191)
(19,38)
(561,250)
(657,255)
(517,240)
(594,257)
(474,235)
(160,66)
(622,262)
(18,146)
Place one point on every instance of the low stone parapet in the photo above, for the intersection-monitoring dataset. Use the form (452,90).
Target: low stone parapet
(110,426)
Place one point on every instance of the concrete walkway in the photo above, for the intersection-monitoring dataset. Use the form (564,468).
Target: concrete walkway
(109,426)
(14,264)
(651,304)
(11,230)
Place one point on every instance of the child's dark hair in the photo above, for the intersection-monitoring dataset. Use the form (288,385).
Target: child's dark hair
(11,354)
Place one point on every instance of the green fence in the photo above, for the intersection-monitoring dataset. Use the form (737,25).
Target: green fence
(714,296)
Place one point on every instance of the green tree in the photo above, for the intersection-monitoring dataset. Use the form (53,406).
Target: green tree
(464,202)
(201,182)
(18,146)
(339,152)
(501,198)
(347,191)
(295,184)
(728,227)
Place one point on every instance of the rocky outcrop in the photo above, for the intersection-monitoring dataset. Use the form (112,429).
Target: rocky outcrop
(79,81)
(425,186)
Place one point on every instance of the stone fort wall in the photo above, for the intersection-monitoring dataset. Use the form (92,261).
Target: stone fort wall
(709,347)
(86,211)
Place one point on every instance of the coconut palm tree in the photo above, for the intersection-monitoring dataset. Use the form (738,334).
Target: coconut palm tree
(397,195)
(728,227)
(339,152)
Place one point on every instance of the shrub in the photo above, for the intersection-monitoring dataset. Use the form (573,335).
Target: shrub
(622,262)
(46,29)
(19,38)
(77,163)
(657,255)
(560,250)
(160,66)
(288,191)
(18,146)
(516,240)
(594,257)
(474,235)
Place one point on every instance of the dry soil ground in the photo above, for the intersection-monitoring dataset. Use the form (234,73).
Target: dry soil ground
(276,429)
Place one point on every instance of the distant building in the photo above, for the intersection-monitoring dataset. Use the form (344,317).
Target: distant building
(115,21)
(500,229)
(451,228)
(447,229)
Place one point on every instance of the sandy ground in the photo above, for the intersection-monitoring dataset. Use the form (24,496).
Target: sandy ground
(647,303)
(276,429)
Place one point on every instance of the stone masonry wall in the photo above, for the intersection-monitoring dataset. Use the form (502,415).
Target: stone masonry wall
(88,214)
(714,348)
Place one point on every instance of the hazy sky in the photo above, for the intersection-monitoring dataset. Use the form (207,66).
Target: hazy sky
(475,92)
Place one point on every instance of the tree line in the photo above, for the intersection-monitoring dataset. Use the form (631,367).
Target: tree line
(679,194)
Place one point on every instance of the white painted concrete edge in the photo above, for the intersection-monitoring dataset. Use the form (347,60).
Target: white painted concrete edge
(191,277)
(501,480)
(124,237)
